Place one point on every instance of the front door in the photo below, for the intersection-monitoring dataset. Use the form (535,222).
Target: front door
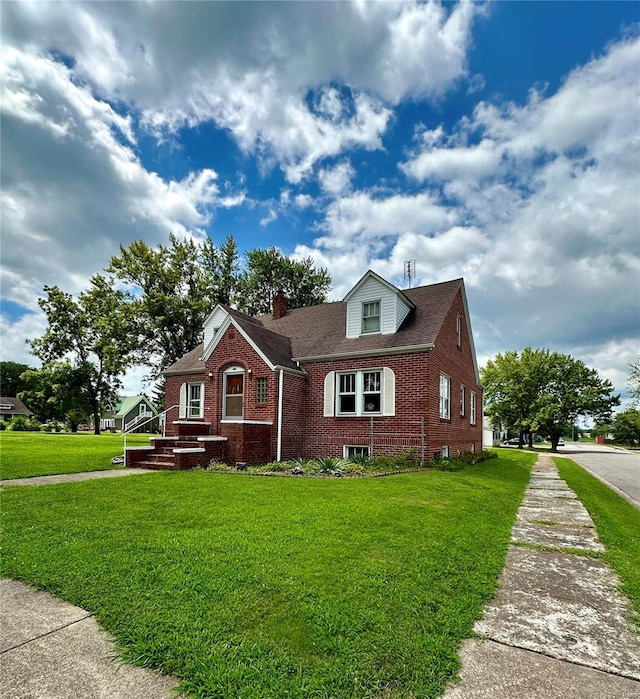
(233,406)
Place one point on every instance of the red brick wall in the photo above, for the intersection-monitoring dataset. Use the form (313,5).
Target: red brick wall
(294,427)
(325,436)
(457,362)
(232,350)
(172,397)
(306,432)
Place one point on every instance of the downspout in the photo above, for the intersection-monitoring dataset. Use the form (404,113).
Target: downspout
(280,392)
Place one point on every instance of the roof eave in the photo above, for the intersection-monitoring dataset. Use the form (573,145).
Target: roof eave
(379,352)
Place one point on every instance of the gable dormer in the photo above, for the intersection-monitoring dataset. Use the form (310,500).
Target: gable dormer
(215,319)
(375,307)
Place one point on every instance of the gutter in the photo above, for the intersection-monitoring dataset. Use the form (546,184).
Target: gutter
(279,443)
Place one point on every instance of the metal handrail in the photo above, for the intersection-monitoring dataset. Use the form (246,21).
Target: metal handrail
(137,419)
(135,427)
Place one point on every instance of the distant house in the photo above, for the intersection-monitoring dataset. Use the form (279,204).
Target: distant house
(11,407)
(128,412)
(492,436)
(383,371)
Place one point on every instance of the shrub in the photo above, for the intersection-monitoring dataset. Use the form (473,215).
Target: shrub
(218,467)
(21,423)
(466,458)
(331,463)
(277,466)
(3,427)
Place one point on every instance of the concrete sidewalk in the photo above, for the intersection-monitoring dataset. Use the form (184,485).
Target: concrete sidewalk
(52,650)
(558,627)
(74,477)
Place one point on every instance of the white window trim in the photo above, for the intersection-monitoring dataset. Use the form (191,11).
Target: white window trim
(233,371)
(387,393)
(445,452)
(459,330)
(473,409)
(359,393)
(346,447)
(184,412)
(463,400)
(445,400)
(190,402)
(379,316)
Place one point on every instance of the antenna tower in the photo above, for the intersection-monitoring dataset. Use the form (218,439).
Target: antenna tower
(409,270)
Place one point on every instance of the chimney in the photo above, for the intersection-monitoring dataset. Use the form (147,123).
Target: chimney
(279,304)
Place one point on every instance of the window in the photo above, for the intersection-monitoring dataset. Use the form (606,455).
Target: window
(459,330)
(261,390)
(445,395)
(194,398)
(347,393)
(350,451)
(371,317)
(437,455)
(359,393)
(371,391)
(463,400)
(233,406)
(472,416)
(445,452)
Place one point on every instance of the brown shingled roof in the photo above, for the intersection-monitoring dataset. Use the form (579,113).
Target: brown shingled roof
(320,330)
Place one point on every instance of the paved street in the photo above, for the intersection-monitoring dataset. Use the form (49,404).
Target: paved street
(619,467)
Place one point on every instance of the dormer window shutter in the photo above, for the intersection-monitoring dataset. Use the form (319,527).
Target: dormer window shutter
(329,394)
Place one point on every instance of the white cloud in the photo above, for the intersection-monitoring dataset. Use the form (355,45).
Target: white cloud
(215,61)
(336,181)
(73,187)
(361,218)
(14,335)
(536,205)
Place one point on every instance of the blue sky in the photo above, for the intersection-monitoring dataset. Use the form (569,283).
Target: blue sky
(494,141)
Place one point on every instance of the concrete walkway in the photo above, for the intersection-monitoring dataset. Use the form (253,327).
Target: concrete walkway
(74,477)
(52,650)
(558,626)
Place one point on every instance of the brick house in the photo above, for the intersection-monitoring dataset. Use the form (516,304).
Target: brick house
(382,371)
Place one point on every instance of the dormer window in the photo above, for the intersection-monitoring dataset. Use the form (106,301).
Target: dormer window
(371,317)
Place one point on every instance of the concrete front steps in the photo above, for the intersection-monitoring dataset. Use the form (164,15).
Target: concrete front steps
(178,453)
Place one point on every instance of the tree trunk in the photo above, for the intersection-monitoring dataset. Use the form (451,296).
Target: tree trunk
(96,417)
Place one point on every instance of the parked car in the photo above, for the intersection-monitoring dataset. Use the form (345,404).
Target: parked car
(513,440)
(561,442)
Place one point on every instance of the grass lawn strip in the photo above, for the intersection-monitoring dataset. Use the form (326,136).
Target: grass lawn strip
(248,587)
(27,454)
(617,523)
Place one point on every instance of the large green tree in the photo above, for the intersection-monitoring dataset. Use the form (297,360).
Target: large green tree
(10,382)
(542,391)
(58,391)
(634,380)
(96,333)
(570,390)
(511,384)
(172,289)
(626,426)
(269,271)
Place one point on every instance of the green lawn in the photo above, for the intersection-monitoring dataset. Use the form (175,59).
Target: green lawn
(277,587)
(26,454)
(617,523)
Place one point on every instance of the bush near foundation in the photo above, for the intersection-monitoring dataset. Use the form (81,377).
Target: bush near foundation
(358,465)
